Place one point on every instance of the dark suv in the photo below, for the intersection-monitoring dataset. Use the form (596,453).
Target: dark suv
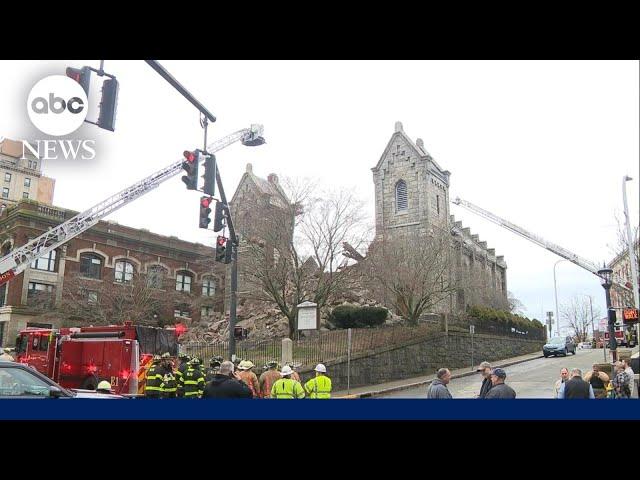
(559,346)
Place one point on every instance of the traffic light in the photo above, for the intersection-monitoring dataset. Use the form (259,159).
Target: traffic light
(221,247)
(219,219)
(82,76)
(205,211)
(612,316)
(190,165)
(209,175)
(108,104)
(228,253)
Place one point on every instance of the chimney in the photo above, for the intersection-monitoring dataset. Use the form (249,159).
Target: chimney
(398,127)
(249,168)
(273,178)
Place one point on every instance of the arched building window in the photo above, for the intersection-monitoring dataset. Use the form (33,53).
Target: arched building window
(91,265)
(401,196)
(124,271)
(208,287)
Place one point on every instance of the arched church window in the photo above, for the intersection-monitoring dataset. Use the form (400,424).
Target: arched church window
(401,196)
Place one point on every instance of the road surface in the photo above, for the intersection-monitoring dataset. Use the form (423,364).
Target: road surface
(532,379)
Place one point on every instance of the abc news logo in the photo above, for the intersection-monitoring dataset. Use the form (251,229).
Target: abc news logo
(57,105)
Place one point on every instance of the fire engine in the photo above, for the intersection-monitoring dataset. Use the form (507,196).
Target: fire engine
(82,357)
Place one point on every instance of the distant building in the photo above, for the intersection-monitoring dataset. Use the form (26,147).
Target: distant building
(22,179)
(621,266)
(107,253)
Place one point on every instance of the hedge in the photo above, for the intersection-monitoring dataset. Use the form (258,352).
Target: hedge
(354,316)
(486,316)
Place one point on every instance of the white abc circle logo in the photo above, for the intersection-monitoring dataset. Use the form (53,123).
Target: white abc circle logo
(57,105)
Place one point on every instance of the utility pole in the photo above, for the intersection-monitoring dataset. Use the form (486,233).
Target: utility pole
(632,252)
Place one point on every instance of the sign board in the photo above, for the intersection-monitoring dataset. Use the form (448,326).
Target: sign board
(308,316)
(472,329)
(629,315)
(602,325)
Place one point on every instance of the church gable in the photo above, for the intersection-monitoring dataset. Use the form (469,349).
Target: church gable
(399,148)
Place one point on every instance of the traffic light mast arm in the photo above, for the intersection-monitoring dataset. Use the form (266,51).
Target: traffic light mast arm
(552,247)
(19,259)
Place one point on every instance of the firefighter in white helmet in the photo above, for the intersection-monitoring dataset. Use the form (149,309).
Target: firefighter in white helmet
(103,387)
(320,386)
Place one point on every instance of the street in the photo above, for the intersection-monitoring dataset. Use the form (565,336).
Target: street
(532,379)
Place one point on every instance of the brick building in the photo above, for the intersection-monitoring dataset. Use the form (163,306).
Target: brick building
(107,254)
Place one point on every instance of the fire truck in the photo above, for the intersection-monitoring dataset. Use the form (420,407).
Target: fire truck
(82,357)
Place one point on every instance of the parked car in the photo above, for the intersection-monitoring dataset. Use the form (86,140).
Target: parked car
(22,381)
(585,345)
(559,346)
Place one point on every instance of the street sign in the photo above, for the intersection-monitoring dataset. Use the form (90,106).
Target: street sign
(307,316)
(629,315)
(472,329)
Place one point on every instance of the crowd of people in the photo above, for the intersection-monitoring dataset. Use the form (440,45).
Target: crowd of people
(594,384)
(226,379)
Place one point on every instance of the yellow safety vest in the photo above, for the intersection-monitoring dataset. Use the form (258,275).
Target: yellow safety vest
(319,387)
(287,389)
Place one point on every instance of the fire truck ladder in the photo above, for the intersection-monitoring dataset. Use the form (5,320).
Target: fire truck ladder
(17,260)
(552,247)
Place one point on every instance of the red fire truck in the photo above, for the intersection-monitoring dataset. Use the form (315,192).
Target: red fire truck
(82,357)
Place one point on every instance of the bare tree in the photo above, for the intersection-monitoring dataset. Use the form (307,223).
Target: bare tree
(413,271)
(577,313)
(515,305)
(295,254)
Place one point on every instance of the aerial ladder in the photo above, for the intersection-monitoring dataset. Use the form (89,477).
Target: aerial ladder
(16,261)
(552,247)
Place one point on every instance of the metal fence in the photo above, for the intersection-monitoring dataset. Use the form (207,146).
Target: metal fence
(494,328)
(316,347)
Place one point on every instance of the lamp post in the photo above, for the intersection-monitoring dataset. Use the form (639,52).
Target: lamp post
(555,291)
(605,276)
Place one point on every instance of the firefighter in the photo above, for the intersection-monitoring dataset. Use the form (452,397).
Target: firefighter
(213,369)
(155,376)
(184,360)
(268,378)
(294,375)
(320,386)
(192,381)
(169,383)
(286,388)
(249,378)
(103,387)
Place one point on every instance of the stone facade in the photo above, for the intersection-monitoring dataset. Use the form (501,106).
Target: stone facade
(424,357)
(412,195)
(110,243)
(621,266)
(259,208)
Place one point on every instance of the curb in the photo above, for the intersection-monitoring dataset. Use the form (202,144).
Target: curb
(375,393)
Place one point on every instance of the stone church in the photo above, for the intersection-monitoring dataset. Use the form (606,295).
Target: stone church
(412,195)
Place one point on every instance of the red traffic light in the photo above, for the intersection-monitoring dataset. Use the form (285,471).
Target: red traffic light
(74,73)
(206,201)
(189,156)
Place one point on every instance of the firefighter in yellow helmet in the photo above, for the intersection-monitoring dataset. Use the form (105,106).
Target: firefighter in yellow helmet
(320,386)
(103,387)
(287,388)
(155,376)
(192,381)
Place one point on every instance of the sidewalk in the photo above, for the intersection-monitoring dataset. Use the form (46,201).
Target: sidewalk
(382,388)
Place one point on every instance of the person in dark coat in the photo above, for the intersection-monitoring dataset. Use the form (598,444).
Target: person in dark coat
(225,384)
(576,387)
(499,388)
(438,388)
(485,369)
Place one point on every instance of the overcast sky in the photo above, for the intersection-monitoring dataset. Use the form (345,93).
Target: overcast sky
(542,144)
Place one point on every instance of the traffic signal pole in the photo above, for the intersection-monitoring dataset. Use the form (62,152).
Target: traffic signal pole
(233,244)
